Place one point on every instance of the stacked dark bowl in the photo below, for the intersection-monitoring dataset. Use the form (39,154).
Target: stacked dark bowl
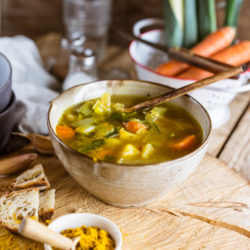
(7,101)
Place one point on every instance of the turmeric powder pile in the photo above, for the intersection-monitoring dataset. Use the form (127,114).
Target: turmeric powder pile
(92,238)
(9,240)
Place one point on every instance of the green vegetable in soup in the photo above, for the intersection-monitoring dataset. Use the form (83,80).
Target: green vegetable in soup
(100,129)
(93,145)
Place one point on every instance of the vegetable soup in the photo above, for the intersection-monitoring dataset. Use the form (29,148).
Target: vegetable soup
(100,129)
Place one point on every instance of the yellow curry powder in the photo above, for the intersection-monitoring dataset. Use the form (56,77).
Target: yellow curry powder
(13,241)
(91,238)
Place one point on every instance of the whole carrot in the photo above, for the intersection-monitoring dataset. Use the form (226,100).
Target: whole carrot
(234,55)
(213,43)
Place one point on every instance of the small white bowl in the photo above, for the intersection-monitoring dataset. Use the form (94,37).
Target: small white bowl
(90,220)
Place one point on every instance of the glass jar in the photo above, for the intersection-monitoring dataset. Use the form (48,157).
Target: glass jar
(82,67)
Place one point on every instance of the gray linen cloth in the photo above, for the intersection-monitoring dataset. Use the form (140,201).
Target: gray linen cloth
(33,86)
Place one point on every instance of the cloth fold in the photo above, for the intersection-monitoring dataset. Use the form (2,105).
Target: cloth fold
(33,86)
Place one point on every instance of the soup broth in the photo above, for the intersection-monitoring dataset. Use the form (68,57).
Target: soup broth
(99,129)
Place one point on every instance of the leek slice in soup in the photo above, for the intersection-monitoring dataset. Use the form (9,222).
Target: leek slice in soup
(99,129)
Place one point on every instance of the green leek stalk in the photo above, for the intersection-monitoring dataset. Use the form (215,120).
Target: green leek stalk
(173,16)
(206,18)
(190,24)
(232,12)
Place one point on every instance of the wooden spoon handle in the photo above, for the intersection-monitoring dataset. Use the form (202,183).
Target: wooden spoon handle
(13,164)
(186,89)
(36,231)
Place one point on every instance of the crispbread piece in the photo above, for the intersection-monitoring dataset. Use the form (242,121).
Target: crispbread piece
(47,204)
(34,177)
(16,205)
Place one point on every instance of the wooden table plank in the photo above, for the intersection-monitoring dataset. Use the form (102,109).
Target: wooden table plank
(219,217)
(236,153)
(219,136)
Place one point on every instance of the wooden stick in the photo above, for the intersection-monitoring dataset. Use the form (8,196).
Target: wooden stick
(206,63)
(184,90)
(13,164)
(182,54)
(36,231)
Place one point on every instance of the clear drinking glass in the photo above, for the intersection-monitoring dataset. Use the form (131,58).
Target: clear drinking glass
(89,19)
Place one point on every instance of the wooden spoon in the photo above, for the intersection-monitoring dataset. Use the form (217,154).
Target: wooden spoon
(16,163)
(184,90)
(36,231)
(41,143)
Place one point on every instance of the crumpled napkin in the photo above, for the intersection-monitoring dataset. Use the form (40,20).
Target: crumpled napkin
(33,86)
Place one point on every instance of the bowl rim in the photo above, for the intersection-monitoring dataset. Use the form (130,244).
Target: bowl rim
(8,81)
(183,158)
(154,71)
(99,218)
(10,105)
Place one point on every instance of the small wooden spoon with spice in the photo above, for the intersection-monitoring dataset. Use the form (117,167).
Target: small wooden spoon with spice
(36,231)
(184,90)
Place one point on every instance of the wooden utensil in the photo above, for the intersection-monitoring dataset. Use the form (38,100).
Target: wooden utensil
(13,164)
(181,54)
(184,90)
(41,143)
(36,231)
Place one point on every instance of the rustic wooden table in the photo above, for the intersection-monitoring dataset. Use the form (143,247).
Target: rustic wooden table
(209,211)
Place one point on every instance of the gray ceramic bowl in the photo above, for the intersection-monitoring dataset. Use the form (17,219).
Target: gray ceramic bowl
(125,185)
(5,82)
(7,119)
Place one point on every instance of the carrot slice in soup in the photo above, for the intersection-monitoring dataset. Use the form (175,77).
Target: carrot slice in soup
(133,126)
(186,143)
(100,155)
(65,132)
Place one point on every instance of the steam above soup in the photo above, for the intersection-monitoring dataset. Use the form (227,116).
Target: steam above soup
(99,129)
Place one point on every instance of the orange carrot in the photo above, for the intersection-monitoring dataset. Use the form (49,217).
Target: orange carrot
(65,132)
(234,55)
(213,43)
(134,126)
(100,155)
(185,143)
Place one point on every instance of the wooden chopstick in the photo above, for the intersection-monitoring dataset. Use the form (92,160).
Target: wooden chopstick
(181,54)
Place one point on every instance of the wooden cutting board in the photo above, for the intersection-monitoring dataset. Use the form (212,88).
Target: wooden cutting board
(211,210)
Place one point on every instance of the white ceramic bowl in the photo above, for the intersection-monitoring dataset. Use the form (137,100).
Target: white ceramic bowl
(118,184)
(90,220)
(214,97)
